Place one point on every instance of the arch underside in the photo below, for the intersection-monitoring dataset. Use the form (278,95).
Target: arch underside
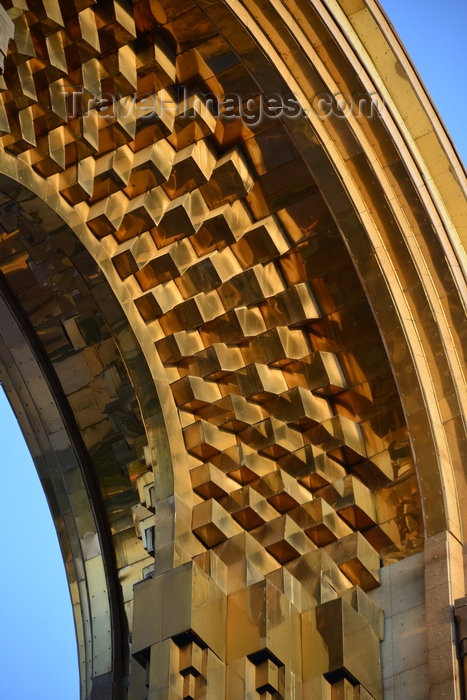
(235,345)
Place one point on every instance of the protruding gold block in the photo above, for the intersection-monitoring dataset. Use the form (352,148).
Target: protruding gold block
(49,156)
(160,269)
(81,138)
(242,463)
(341,438)
(357,559)
(249,508)
(154,118)
(125,264)
(189,687)
(376,472)
(210,482)
(321,372)
(192,313)
(194,63)
(116,122)
(320,577)
(390,538)
(263,624)
(317,688)
(76,182)
(191,168)
(164,265)
(148,306)
(312,467)
(212,565)
(235,327)
(249,557)
(118,71)
(151,167)
(155,63)
(213,524)
(294,307)
(58,116)
(105,216)
(209,272)
(282,491)
(81,40)
(363,604)
(277,347)
(147,618)
(283,538)
(182,218)
(179,346)
(250,287)
(192,393)
(112,172)
(240,676)
(204,440)
(267,677)
(260,382)
(165,680)
(20,32)
(272,438)
(187,601)
(200,277)
(230,180)
(218,360)
(142,213)
(320,522)
(221,227)
(302,410)
(261,242)
(344,690)
(191,659)
(232,413)
(353,501)
(116,20)
(7,32)
(326,647)
(193,122)
(22,136)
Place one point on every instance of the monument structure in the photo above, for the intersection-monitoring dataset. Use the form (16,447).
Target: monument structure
(233,329)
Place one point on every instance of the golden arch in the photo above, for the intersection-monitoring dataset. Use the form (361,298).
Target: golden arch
(244,267)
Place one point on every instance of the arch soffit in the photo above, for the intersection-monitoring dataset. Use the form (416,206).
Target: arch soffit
(443,213)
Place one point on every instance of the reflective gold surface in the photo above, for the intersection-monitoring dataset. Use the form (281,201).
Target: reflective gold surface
(234,345)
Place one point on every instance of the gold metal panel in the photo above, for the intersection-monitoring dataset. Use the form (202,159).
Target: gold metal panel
(357,559)
(99,610)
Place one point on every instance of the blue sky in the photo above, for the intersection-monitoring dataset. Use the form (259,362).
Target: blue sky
(37,647)
(434,33)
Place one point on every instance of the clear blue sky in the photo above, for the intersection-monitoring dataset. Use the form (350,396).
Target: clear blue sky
(434,33)
(38,656)
(37,645)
